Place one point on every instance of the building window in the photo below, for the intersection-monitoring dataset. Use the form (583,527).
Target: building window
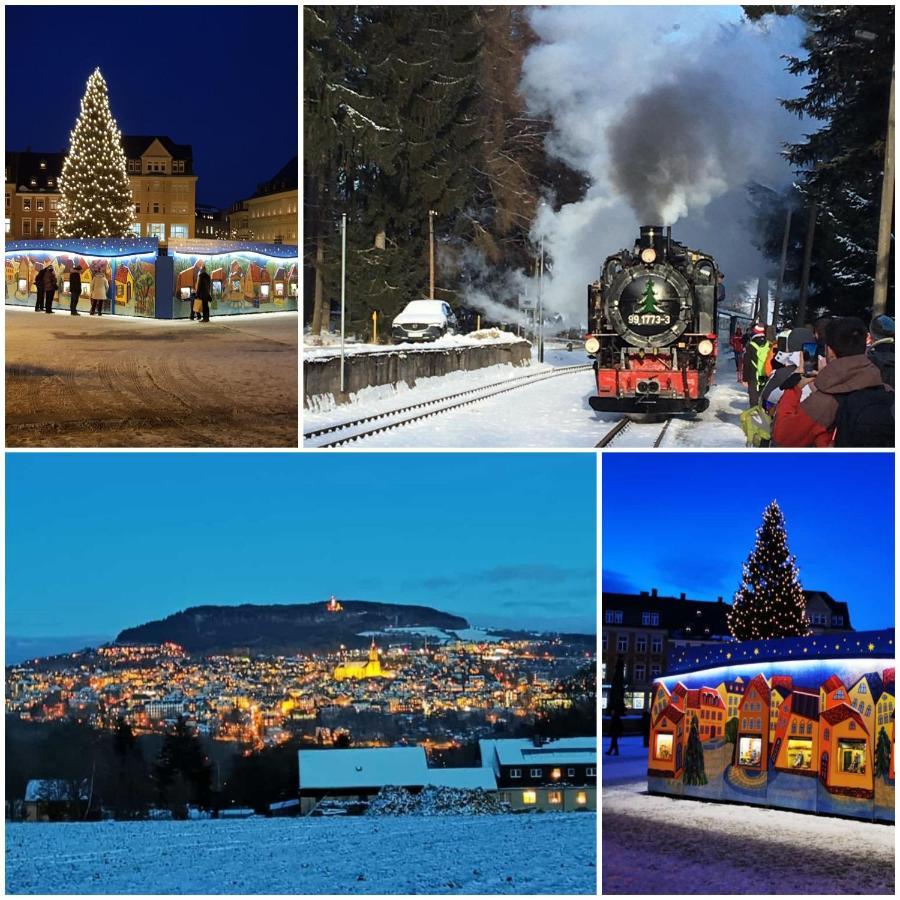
(133,165)
(178,231)
(556,774)
(852,757)
(7,200)
(40,204)
(52,229)
(157,230)
(605,640)
(570,772)
(529,797)
(837,620)
(8,225)
(515,773)
(536,773)
(554,797)
(862,687)
(663,747)
(750,751)
(135,229)
(156,207)
(656,645)
(54,205)
(645,618)
(799,753)
(654,618)
(640,644)
(26,227)
(654,671)
(639,671)
(838,695)
(26,203)
(43,164)
(581,798)
(622,643)
(38,227)
(591,772)
(608,617)
(33,182)
(49,182)
(178,165)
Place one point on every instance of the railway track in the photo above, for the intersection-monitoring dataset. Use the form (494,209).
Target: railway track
(416,412)
(627,426)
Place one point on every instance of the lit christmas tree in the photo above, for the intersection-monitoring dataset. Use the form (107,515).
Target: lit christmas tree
(770,602)
(96,192)
(694,764)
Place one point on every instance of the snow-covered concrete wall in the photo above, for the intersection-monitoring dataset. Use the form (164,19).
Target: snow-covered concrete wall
(322,370)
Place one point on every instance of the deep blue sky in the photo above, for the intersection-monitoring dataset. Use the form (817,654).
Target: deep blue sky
(99,542)
(687,522)
(222,78)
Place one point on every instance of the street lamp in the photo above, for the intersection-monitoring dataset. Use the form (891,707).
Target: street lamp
(431,214)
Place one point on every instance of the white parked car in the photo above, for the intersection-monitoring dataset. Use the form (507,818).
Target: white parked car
(423,320)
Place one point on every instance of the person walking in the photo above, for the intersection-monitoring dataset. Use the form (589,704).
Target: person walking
(39,287)
(204,292)
(615,732)
(737,346)
(755,357)
(49,288)
(99,290)
(75,290)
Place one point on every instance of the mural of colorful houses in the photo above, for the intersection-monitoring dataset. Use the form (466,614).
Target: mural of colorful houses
(816,735)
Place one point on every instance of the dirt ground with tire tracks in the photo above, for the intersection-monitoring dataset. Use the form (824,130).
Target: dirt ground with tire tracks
(114,382)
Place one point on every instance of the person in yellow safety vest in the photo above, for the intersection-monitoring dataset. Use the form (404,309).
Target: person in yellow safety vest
(756,360)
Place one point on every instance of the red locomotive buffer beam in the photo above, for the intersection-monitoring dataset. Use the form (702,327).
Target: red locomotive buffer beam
(648,382)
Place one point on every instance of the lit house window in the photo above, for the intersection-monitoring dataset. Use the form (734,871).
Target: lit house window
(156,229)
(178,231)
(663,748)
(555,797)
(43,164)
(26,203)
(852,757)
(581,798)
(750,751)
(555,774)
(799,753)
(529,796)
(40,204)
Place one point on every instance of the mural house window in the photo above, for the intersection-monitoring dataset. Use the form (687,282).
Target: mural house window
(750,751)
(838,695)
(852,757)
(178,165)
(799,753)
(529,796)
(663,748)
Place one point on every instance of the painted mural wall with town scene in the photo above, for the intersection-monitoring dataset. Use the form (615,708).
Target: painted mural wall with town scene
(244,280)
(809,726)
(131,276)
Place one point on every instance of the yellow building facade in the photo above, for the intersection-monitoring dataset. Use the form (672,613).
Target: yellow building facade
(270,215)
(358,669)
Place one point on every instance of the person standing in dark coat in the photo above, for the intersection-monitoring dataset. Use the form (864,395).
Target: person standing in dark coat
(204,292)
(75,290)
(39,287)
(49,288)
(615,732)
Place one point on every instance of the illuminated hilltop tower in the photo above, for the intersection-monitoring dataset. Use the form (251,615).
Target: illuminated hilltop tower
(351,668)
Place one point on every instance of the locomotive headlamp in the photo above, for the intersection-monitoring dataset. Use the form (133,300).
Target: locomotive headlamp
(705,347)
(648,255)
(592,345)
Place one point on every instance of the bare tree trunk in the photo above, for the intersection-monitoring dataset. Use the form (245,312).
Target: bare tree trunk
(319,296)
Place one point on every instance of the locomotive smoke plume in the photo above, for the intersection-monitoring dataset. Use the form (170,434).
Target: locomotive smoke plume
(670,111)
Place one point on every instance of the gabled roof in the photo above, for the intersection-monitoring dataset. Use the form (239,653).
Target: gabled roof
(804,704)
(285,179)
(888,676)
(841,712)
(670,712)
(832,684)
(135,145)
(762,688)
(520,751)
(783,681)
(874,684)
(781,691)
(734,687)
(25,165)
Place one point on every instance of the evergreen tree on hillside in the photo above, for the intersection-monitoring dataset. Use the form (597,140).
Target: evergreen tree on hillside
(94,186)
(183,774)
(770,602)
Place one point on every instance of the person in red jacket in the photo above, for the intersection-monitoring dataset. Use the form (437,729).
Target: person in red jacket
(737,346)
(805,415)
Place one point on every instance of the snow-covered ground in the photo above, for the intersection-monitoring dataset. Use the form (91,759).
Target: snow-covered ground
(718,848)
(507,854)
(329,346)
(550,413)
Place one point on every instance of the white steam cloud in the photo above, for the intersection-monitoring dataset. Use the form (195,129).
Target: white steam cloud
(670,111)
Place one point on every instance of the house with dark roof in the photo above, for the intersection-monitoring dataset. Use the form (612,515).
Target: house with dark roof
(752,751)
(796,737)
(270,214)
(668,739)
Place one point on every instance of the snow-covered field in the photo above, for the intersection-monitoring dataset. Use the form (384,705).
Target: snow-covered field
(553,853)
(718,848)
(328,346)
(550,413)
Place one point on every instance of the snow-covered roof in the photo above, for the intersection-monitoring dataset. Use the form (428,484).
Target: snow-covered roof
(513,752)
(55,789)
(362,768)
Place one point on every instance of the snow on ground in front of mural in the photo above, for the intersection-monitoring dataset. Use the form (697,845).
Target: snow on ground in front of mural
(723,848)
(508,854)
(146,320)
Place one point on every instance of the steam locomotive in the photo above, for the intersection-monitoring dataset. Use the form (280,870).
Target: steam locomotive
(652,321)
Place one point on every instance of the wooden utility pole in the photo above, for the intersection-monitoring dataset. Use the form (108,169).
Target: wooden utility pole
(431,215)
(782,266)
(879,301)
(807,263)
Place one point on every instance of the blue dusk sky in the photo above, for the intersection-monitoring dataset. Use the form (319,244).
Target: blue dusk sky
(221,78)
(99,542)
(687,522)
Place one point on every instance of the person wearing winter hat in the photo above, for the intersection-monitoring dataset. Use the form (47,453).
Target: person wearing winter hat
(794,359)
(74,290)
(881,350)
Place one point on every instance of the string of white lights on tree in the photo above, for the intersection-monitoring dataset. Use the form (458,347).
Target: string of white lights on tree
(95,190)
(770,601)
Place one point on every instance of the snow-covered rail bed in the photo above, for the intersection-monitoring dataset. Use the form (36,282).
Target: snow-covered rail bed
(629,433)
(353,430)
(506,854)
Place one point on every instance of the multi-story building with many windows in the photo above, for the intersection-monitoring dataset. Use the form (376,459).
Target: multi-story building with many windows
(270,215)
(163,187)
